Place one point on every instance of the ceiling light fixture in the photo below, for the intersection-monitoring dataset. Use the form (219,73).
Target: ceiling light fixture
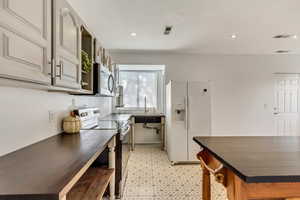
(133,34)
(282,51)
(233,36)
(295,36)
(282,36)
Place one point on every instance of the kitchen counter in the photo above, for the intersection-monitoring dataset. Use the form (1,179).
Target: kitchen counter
(252,167)
(141,118)
(127,116)
(148,114)
(46,170)
(117,117)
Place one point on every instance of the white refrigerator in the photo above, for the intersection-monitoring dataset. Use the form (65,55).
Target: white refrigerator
(188,114)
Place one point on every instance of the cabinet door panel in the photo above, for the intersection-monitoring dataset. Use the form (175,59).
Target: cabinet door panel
(67,46)
(14,50)
(24,11)
(69,33)
(25,40)
(70,70)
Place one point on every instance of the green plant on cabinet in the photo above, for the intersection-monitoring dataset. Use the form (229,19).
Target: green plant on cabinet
(86,62)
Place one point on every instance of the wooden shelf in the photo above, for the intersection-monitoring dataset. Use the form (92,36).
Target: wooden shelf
(92,185)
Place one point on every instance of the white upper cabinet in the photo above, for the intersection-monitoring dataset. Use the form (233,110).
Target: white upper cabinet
(67,45)
(25,40)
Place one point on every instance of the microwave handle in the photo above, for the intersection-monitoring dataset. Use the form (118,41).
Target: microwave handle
(111,87)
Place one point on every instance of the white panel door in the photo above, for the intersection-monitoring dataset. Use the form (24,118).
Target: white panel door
(199,115)
(25,40)
(176,126)
(286,109)
(67,45)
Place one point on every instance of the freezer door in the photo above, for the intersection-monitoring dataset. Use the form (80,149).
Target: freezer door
(176,121)
(199,115)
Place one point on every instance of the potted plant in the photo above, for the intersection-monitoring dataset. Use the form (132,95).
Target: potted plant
(86,62)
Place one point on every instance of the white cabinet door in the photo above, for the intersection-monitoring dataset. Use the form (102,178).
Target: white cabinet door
(67,45)
(25,40)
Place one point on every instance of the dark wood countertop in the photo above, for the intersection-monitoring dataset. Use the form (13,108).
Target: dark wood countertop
(44,170)
(257,159)
(149,114)
(117,117)
(127,116)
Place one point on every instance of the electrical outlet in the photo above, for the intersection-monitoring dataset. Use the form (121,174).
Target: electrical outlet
(51,116)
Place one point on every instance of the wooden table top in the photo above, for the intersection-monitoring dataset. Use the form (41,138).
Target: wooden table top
(42,170)
(257,159)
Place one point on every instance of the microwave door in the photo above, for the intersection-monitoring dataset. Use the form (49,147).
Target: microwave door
(106,82)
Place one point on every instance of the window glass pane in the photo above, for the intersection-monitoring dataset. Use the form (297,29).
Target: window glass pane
(129,80)
(148,89)
(138,85)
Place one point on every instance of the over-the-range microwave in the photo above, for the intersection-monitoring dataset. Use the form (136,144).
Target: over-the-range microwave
(104,81)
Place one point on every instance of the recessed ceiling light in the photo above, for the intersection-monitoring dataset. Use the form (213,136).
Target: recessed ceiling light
(133,34)
(295,36)
(233,36)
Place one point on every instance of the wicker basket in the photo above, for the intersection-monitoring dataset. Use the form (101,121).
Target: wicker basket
(72,124)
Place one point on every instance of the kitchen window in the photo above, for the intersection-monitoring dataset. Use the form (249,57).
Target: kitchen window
(142,84)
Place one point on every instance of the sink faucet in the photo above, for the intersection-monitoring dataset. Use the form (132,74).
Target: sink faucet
(145,104)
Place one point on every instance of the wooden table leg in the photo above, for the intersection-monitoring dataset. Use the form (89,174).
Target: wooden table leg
(240,189)
(206,184)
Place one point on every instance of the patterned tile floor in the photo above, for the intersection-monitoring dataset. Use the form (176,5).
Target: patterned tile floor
(151,177)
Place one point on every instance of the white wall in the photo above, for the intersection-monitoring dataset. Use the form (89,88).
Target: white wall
(24,115)
(242,86)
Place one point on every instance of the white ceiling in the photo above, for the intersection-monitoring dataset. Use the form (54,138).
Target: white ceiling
(199,26)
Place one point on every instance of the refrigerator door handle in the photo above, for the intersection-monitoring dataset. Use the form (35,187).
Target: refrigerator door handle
(186,112)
